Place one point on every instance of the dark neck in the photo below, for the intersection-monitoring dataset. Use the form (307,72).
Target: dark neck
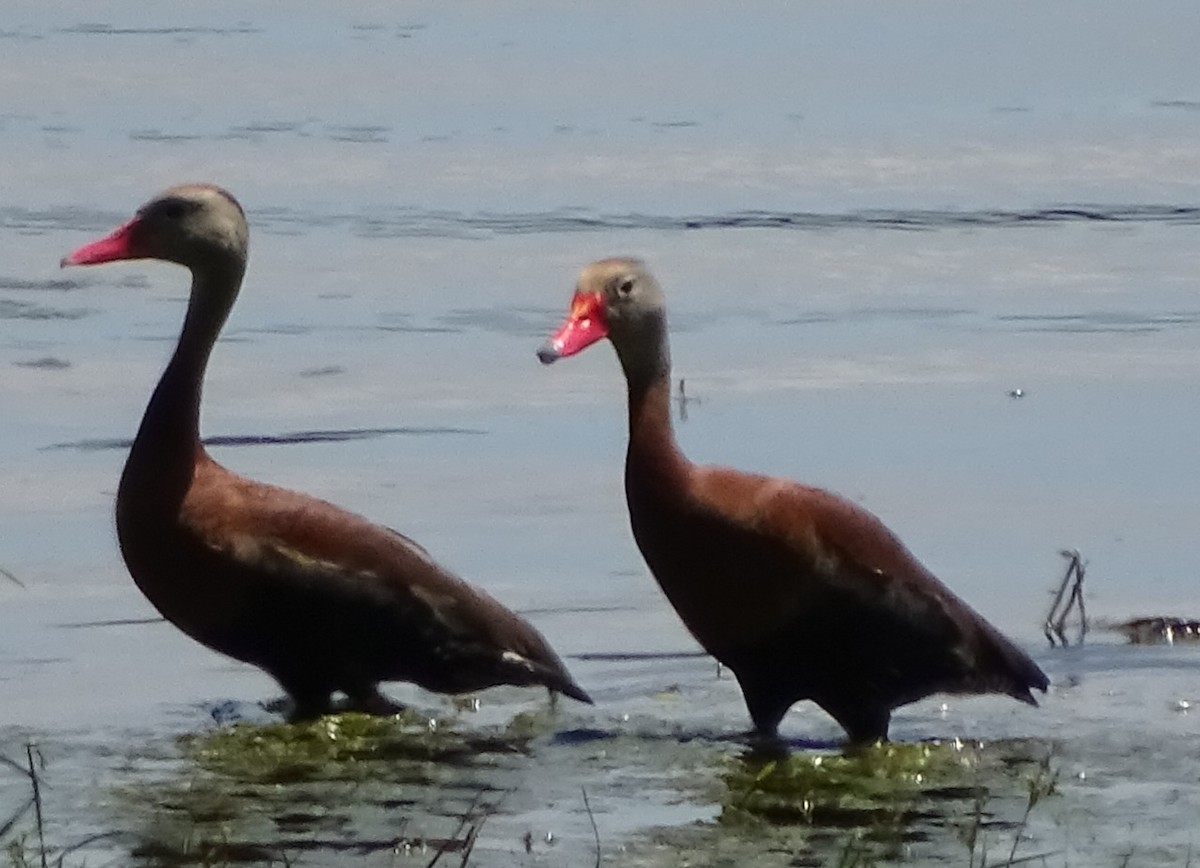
(647,363)
(169,437)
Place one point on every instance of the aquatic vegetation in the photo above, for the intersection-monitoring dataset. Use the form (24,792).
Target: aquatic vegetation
(21,852)
(875,802)
(27,845)
(18,846)
(1040,783)
(852,788)
(351,783)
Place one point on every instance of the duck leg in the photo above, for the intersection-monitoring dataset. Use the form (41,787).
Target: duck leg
(368,699)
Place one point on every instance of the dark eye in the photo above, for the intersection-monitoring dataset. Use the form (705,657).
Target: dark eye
(174,210)
(626,286)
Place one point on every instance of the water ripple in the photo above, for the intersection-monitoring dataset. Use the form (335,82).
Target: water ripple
(1096,322)
(70,217)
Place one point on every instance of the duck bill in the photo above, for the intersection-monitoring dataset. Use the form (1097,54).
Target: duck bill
(585,324)
(118,244)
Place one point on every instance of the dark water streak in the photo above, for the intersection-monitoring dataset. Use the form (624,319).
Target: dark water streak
(434,223)
(413,222)
(103,29)
(21,310)
(289,438)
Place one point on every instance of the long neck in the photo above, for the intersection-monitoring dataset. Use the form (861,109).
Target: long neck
(646,358)
(168,441)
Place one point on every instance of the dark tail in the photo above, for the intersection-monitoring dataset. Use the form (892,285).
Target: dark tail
(569,688)
(1002,667)
(559,680)
(1022,673)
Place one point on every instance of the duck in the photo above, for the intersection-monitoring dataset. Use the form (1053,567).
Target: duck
(321,599)
(800,593)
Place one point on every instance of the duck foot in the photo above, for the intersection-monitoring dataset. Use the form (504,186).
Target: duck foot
(766,745)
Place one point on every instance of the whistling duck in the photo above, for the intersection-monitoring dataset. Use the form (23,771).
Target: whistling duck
(319,598)
(799,592)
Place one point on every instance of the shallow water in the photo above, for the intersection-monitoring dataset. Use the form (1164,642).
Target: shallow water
(873,221)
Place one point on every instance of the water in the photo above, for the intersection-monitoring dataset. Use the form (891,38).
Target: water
(873,221)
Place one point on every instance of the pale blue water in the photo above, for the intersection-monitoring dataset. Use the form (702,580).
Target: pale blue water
(872,221)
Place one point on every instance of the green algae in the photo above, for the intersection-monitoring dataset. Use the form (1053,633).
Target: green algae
(863,787)
(346,746)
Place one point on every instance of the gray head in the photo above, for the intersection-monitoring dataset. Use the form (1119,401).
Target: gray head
(618,299)
(199,226)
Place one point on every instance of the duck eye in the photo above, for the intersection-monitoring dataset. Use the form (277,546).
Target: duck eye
(174,210)
(625,287)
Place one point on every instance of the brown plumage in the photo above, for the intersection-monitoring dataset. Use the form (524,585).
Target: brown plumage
(802,594)
(320,598)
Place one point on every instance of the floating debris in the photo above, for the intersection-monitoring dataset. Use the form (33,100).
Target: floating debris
(1158,630)
(1016,393)
(323,371)
(683,400)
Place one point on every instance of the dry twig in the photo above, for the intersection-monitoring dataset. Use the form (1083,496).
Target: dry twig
(1070,589)
(37,797)
(592,818)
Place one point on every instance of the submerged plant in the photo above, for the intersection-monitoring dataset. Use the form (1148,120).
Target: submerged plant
(1039,784)
(349,746)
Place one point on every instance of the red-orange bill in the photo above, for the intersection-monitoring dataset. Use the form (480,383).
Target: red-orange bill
(585,324)
(118,244)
